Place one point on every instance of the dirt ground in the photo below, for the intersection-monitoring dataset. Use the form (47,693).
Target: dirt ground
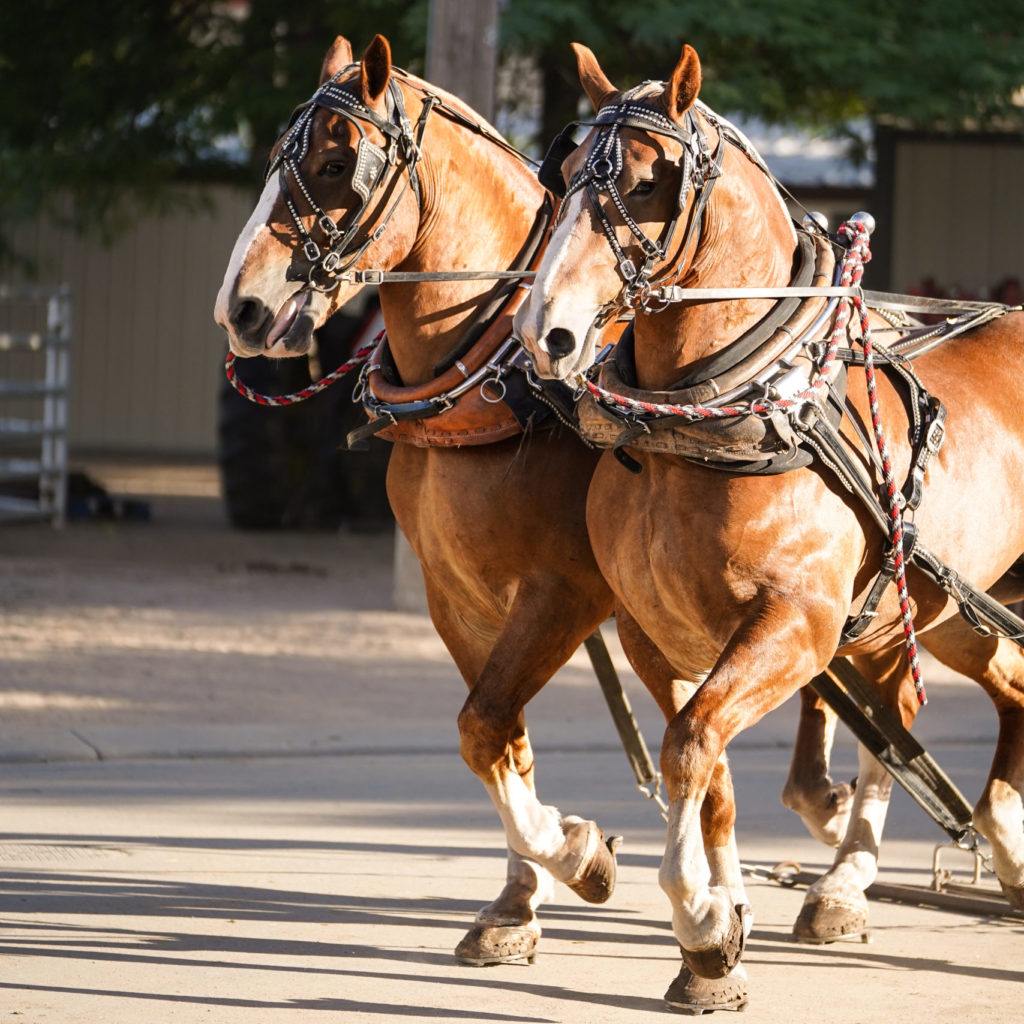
(232,791)
(109,621)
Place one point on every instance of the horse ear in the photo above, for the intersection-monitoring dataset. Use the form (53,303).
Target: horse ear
(684,85)
(375,71)
(594,81)
(338,57)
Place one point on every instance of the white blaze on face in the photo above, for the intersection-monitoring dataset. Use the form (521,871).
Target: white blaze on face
(254,231)
(564,294)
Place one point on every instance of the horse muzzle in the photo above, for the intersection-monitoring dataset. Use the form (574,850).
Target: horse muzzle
(254,330)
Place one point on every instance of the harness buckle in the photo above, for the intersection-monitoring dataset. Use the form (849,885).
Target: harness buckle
(373,276)
(638,294)
(331,262)
(329,227)
(311,250)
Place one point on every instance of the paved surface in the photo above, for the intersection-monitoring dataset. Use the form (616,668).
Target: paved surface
(231,791)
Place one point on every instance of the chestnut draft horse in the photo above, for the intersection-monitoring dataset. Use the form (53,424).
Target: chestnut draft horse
(403,176)
(746,580)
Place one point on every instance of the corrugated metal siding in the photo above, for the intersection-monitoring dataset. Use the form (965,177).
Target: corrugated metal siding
(958,214)
(146,354)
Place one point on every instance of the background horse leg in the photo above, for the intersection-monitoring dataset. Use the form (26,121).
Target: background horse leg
(688,992)
(835,906)
(823,805)
(998,665)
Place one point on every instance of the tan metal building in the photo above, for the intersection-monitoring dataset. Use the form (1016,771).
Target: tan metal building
(145,350)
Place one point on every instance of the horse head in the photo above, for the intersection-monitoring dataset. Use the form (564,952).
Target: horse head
(625,183)
(342,171)
(654,198)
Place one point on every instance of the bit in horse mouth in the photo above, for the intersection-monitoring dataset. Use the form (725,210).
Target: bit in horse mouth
(285,319)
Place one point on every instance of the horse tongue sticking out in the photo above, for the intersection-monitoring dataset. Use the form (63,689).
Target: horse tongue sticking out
(743,558)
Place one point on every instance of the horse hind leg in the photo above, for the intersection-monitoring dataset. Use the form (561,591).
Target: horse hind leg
(823,805)
(835,906)
(998,666)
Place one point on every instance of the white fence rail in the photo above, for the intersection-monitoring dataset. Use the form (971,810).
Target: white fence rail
(35,350)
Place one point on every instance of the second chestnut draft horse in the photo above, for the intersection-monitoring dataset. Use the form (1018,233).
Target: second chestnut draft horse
(382,171)
(746,572)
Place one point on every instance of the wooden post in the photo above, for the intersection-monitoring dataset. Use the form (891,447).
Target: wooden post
(462,50)
(462,53)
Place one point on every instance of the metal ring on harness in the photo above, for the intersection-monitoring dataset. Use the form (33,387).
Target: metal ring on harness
(637,293)
(603,170)
(499,390)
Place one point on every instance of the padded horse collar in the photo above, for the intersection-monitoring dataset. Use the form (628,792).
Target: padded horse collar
(603,165)
(403,141)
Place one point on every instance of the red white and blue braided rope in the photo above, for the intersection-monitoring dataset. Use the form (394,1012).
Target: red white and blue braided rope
(316,387)
(858,238)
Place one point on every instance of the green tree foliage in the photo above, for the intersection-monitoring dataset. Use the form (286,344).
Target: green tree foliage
(108,102)
(926,65)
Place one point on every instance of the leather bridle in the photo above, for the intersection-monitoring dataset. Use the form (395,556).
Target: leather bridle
(342,250)
(603,165)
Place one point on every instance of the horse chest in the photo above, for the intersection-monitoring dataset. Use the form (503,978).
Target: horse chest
(687,549)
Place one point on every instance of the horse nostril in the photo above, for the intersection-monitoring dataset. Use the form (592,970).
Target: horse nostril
(559,342)
(246,314)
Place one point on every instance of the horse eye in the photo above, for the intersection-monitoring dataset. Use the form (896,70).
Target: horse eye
(334,169)
(643,188)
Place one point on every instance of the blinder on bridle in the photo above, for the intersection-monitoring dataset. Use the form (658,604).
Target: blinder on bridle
(371,164)
(603,165)
(549,174)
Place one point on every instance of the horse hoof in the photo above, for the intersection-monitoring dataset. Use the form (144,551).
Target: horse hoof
(829,920)
(1014,895)
(717,961)
(693,995)
(486,945)
(594,880)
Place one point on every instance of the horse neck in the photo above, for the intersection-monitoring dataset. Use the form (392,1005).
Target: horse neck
(479,204)
(746,239)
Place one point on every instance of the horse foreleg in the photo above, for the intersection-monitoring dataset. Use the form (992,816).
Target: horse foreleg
(823,805)
(749,679)
(689,992)
(506,930)
(693,992)
(571,849)
(504,663)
